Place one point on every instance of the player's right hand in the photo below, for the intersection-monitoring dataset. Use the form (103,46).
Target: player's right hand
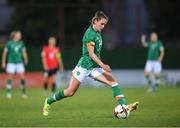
(3,65)
(106,68)
(143,37)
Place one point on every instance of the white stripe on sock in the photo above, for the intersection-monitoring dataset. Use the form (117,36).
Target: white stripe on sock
(54,97)
(120,95)
(116,84)
(8,86)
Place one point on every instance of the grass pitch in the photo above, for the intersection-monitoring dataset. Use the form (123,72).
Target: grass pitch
(92,107)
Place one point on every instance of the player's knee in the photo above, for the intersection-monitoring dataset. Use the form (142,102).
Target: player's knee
(146,73)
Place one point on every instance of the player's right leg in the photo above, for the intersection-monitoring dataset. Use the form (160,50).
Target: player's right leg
(149,75)
(70,91)
(45,83)
(10,70)
(23,86)
(147,72)
(78,76)
(9,86)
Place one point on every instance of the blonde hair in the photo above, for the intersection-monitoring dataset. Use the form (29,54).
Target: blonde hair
(13,33)
(98,16)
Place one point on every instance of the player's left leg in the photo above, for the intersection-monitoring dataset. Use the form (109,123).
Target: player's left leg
(157,72)
(148,75)
(20,71)
(107,78)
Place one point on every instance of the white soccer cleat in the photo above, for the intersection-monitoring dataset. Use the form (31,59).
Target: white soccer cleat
(8,96)
(24,96)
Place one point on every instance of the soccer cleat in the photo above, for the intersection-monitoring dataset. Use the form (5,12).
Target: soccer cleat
(133,106)
(8,96)
(149,90)
(24,96)
(46,108)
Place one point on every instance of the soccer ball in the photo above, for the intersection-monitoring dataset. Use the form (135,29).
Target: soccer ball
(121,111)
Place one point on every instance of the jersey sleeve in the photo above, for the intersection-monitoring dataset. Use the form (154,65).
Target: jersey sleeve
(7,46)
(148,44)
(161,45)
(23,46)
(89,37)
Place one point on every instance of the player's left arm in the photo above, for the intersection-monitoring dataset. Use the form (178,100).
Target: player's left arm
(162,52)
(61,65)
(25,56)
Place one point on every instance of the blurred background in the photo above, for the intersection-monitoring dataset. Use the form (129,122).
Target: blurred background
(68,20)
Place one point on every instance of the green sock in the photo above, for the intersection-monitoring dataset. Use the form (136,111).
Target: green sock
(157,80)
(57,96)
(118,94)
(8,86)
(22,86)
(149,80)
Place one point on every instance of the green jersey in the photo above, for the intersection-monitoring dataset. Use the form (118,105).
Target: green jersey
(15,51)
(154,50)
(90,36)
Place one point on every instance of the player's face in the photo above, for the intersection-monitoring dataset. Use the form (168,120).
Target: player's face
(100,24)
(52,42)
(154,37)
(17,36)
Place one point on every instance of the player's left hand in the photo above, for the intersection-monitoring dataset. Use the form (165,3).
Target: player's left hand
(26,63)
(106,68)
(159,59)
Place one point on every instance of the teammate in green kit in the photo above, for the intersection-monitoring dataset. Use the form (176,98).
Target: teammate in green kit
(13,59)
(90,64)
(153,65)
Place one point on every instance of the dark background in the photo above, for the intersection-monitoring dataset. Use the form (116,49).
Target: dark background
(68,19)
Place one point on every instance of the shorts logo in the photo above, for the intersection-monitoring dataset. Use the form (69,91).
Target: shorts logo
(78,73)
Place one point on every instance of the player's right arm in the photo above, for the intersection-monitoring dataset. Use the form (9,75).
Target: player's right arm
(143,41)
(4,55)
(43,58)
(90,47)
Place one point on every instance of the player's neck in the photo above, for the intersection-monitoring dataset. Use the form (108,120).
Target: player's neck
(94,27)
(15,40)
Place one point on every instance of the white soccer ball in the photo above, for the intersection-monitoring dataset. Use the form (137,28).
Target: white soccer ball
(121,111)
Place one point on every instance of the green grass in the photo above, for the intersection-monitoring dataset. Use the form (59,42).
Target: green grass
(92,107)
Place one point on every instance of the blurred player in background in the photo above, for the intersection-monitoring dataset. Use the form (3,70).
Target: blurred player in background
(52,62)
(91,65)
(153,65)
(13,59)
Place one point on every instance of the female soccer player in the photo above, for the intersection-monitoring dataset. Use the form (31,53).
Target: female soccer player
(90,64)
(16,56)
(154,58)
(52,62)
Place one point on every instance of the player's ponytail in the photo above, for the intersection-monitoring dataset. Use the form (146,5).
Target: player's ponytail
(98,16)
